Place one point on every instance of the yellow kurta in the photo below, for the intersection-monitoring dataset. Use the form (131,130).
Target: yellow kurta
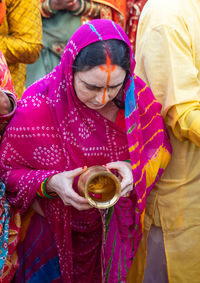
(21,38)
(168,60)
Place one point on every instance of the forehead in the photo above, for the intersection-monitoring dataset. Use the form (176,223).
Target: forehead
(98,74)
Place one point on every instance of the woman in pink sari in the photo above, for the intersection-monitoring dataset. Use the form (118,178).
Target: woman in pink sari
(75,117)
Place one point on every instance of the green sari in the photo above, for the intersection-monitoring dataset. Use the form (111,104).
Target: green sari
(57,31)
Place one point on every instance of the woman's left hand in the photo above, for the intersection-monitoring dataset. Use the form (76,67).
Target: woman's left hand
(70,5)
(125,171)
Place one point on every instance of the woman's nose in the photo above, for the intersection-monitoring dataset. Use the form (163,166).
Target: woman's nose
(103,97)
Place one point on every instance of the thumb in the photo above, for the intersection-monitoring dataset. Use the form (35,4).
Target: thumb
(78,171)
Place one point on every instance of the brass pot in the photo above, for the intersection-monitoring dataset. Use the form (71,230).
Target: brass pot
(99,186)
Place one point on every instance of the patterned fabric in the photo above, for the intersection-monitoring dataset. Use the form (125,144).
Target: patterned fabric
(21,38)
(113,10)
(12,262)
(38,257)
(4,226)
(134,9)
(5,77)
(53,131)
(10,219)
(57,31)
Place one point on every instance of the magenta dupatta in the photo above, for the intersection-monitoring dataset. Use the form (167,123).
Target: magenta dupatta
(53,131)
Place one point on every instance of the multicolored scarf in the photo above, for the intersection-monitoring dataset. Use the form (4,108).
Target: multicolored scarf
(5,76)
(53,131)
(9,218)
(4,226)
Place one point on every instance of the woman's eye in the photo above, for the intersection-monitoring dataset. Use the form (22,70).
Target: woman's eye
(93,88)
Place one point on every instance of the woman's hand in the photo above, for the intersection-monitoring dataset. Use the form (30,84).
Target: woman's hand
(70,5)
(62,183)
(5,104)
(125,171)
(36,207)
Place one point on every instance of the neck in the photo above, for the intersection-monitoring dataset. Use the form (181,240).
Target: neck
(109,111)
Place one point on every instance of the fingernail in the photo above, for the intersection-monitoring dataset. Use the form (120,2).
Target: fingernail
(105,165)
(84,167)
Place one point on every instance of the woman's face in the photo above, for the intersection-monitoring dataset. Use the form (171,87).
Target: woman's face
(99,85)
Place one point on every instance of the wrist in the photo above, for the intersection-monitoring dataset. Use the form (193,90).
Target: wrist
(75,5)
(46,9)
(45,190)
(80,9)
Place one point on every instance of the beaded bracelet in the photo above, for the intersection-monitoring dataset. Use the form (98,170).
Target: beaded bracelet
(42,190)
(92,9)
(80,10)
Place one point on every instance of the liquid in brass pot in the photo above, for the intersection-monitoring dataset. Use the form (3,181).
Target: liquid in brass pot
(100,187)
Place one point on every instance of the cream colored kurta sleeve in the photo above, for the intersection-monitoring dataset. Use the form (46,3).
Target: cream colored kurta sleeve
(165,52)
(184,119)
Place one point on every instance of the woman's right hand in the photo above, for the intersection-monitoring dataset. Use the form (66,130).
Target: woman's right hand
(70,5)
(61,184)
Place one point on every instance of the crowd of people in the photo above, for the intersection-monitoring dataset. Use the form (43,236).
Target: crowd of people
(109,83)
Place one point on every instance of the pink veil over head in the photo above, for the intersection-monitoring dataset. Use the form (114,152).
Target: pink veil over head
(53,131)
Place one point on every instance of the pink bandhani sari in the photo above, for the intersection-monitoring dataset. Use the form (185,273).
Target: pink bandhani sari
(53,131)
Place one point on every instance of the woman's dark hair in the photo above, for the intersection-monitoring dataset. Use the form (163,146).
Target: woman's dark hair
(96,54)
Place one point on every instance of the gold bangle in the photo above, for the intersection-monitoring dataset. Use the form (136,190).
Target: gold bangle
(49,7)
(80,10)
(87,8)
(97,10)
(43,13)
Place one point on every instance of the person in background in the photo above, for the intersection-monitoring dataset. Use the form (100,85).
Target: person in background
(134,9)
(90,110)
(60,19)
(168,60)
(20,38)
(9,217)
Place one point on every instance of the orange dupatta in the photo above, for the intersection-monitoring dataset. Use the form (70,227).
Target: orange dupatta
(113,10)
(2,10)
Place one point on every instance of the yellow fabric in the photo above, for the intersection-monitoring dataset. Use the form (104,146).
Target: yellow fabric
(168,60)
(184,119)
(21,38)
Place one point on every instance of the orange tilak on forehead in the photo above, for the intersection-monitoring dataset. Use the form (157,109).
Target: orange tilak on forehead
(109,68)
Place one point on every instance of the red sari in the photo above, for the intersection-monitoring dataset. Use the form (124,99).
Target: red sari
(134,9)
